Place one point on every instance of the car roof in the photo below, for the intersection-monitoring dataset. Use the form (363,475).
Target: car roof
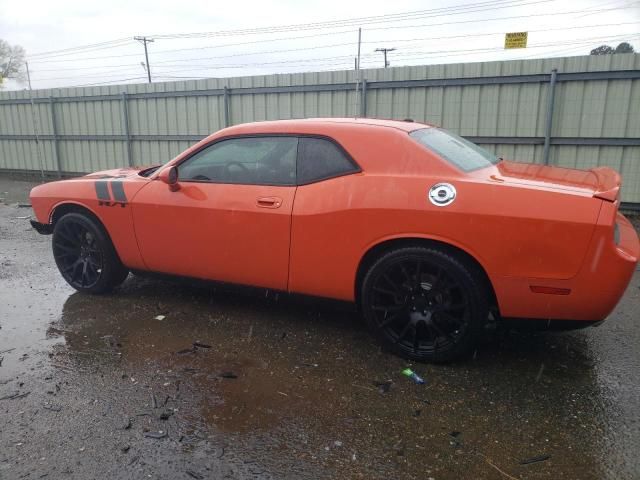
(310,124)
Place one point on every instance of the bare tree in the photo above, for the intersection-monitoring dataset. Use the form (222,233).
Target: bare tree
(12,60)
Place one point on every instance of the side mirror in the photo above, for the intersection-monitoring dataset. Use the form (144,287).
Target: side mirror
(170,177)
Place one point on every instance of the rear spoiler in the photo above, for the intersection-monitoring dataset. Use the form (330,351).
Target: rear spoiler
(609,183)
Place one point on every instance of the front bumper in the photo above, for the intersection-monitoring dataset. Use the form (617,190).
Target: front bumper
(42,228)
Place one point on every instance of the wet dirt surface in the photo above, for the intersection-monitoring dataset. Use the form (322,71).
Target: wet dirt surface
(166,380)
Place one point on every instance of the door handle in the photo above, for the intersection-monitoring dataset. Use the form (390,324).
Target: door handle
(269,202)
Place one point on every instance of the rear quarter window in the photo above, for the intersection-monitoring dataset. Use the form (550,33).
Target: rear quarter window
(320,159)
(456,150)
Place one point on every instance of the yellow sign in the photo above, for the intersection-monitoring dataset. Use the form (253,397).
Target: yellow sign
(515,40)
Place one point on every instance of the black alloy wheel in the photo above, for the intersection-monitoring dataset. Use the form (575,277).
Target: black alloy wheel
(424,304)
(85,255)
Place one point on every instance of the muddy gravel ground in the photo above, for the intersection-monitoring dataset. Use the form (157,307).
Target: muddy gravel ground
(166,380)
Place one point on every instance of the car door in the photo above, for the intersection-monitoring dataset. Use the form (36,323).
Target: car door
(230,219)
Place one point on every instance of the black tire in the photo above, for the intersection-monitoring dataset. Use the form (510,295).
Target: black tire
(425,304)
(85,254)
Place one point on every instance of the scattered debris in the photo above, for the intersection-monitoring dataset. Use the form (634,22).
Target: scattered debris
(383,387)
(24,205)
(363,387)
(228,375)
(454,439)
(15,395)
(283,394)
(186,351)
(540,370)
(337,443)
(193,474)
(128,424)
(539,458)
(1,359)
(25,217)
(154,401)
(200,345)
(125,448)
(407,372)
(166,414)
(52,407)
(8,350)
(417,412)
(160,317)
(156,435)
(491,464)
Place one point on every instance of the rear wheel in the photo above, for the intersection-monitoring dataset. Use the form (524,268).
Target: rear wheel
(85,255)
(424,303)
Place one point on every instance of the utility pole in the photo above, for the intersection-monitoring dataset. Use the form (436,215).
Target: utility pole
(358,75)
(144,41)
(384,52)
(26,64)
(34,120)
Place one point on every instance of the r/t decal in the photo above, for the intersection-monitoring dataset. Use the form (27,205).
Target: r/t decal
(110,197)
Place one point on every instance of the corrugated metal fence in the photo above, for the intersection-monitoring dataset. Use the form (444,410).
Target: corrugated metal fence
(581,111)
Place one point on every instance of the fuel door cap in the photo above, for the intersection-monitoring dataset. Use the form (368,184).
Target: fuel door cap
(442,194)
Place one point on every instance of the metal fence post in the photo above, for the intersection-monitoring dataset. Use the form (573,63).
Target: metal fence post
(363,103)
(125,123)
(54,131)
(549,123)
(227,109)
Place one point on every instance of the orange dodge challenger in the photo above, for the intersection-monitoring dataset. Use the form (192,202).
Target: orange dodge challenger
(429,234)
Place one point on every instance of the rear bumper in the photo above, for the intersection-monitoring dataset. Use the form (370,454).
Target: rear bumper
(592,294)
(42,228)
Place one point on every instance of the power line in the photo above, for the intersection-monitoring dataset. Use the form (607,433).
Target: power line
(346,59)
(455,10)
(333,45)
(449,37)
(348,32)
(103,83)
(82,49)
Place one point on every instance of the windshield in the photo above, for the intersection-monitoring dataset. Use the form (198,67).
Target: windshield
(454,149)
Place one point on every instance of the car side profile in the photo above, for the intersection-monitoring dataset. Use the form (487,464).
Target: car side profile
(430,235)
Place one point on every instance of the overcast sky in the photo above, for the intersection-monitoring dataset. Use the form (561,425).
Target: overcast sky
(421,32)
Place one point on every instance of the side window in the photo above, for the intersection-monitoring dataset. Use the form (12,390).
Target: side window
(251,161)
(319,159)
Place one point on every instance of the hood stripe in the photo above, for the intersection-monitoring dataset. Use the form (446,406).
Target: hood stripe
(102,190)
(118,191)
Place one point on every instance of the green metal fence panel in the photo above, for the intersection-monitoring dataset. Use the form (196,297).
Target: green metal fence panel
(502,105)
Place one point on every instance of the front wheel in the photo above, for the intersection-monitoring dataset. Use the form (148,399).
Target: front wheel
(424,303)
(85,255)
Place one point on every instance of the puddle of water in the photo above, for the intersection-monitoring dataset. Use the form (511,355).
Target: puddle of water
(305,402)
